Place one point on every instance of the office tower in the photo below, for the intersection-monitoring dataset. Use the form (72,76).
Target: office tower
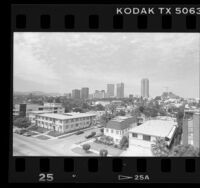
(120,90)
(68,95)
(110,90)
(191,129)
(76,94)
(84,93)
(130,96)
(145,88)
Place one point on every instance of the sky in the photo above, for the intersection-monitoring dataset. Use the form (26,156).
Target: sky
(60,62)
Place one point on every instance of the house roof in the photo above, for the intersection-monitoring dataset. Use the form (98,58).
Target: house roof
(158,128)
(121,122)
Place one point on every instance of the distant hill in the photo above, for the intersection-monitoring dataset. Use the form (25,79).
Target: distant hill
(37,93)
(171,95)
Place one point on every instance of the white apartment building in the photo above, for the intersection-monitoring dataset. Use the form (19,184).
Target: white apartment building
(32,115)
(65,122)
(146,134)
(119,127)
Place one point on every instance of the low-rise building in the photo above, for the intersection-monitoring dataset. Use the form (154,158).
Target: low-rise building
(66,122)
(146,134)
(25,109)
(119,127)
(32,115)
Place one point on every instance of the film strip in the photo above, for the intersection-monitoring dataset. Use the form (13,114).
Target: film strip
(103,18)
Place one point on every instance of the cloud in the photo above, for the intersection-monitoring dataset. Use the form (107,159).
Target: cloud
(29,68)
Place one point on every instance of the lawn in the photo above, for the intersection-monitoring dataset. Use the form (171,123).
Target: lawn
(42,137)
(111,150)
(38,129)
(81,152)
(56,133)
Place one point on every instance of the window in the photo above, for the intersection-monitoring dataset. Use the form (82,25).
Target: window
(117,132)
(134,135)
(146,137)
(107,130)
(111,130)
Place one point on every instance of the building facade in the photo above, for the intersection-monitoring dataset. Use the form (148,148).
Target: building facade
(191,130)
(76,94)
(99,94)
(32,115)
(65,122)
(119,127)
(120,90)
(85,93)
(24,109)
(110,90)
(145,88)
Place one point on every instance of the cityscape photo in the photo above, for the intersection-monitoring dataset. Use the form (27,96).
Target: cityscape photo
(106,94)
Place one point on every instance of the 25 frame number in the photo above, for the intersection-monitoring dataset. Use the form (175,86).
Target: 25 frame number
(45,177)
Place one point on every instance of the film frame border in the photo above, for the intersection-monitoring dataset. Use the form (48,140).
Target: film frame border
(85,20)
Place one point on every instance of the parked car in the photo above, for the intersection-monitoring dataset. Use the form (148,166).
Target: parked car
(90,135)
(79,132)
(27,134)
(21,131)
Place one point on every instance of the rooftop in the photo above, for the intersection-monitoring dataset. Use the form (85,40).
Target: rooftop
(39,111)
(121,122)
(67,115)
(158,128)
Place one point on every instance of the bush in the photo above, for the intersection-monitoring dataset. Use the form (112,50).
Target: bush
(103,152)
(86,147)
(124,142)
(21,122)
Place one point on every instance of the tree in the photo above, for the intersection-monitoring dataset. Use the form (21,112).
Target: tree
(103,152)
(86,147)
(184,151)
(112,107)
(158,98)
(124,142)
(100,107)
(21,122)
(122,113)
(160,148)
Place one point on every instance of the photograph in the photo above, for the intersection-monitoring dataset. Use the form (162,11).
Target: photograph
(104,94)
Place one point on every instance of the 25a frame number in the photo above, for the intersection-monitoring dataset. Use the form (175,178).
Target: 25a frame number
(45,177)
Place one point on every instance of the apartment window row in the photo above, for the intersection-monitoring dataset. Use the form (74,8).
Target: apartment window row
(120,132)
(144,137)
(77,125)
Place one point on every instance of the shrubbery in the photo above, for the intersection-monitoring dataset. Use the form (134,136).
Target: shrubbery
(103,152)
(86,147)
(105,140)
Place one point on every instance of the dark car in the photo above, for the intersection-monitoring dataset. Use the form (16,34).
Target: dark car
(21,131)
(79,132)
(90,135)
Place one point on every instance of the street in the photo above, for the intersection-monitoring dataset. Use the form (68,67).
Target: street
(29,146)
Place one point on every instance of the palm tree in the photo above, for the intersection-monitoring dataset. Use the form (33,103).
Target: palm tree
(159,148)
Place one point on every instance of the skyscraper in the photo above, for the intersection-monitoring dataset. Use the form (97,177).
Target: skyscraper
(120,90)
(84,93)
(110,90)
(145,87)
(76,94)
